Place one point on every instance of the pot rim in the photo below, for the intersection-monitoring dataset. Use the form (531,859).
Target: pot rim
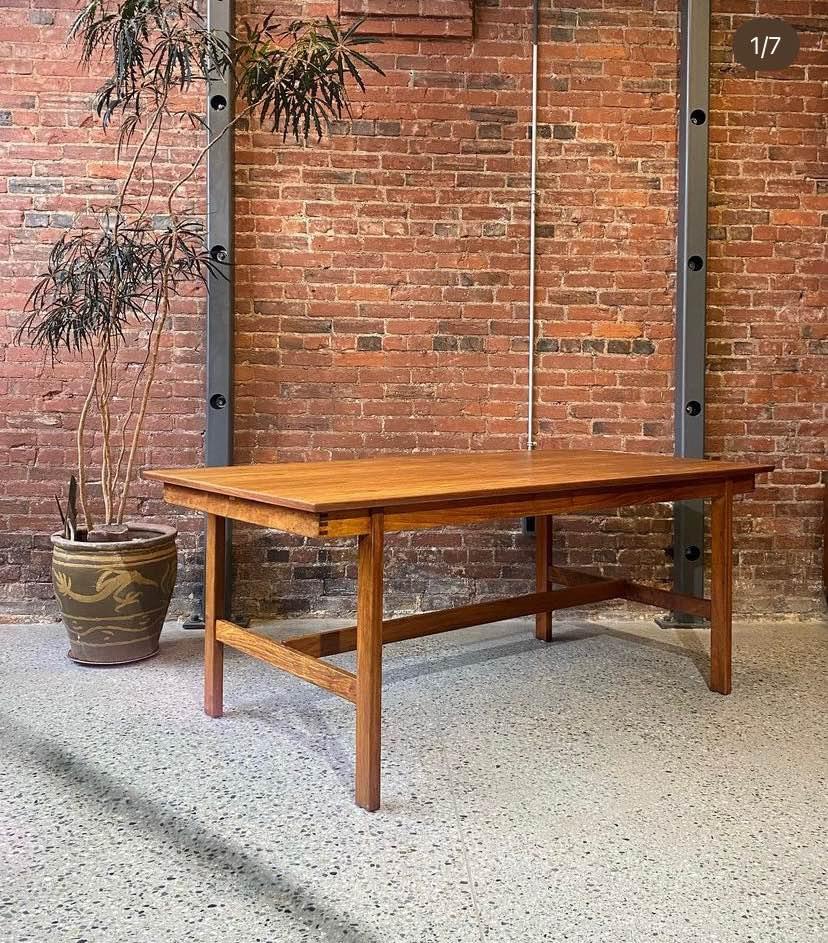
(159,534)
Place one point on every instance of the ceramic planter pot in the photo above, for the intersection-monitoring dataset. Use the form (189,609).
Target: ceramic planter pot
(114,596)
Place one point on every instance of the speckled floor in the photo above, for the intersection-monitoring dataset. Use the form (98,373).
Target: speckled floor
(591,790)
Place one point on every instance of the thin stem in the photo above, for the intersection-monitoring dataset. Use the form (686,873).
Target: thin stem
(104,457)
(87,517)
(155,346)
(156,119)
(131,411)
(205,150)
(106,432)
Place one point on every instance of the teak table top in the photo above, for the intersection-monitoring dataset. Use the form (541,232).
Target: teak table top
(412,479)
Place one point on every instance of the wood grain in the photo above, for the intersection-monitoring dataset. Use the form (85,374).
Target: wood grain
(567,576)
(665,599)
(336,641)
(369,665)
(407,480)
(239,509)
(371,496)
(721,592)
(543,560)
(330,677)
(576,502)
(213,610)
(638,592)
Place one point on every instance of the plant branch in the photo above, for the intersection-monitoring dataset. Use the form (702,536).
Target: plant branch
(97,285)
(79,441)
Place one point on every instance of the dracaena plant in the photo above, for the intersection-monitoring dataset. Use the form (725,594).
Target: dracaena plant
(116,279)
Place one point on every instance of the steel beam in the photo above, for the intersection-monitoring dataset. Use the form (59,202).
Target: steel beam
(218,441)
(691,271)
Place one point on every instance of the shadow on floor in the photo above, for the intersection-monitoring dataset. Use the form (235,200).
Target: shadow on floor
(227,865)
(692,645)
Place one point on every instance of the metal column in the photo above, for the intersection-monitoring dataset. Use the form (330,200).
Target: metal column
(691,269)
(218,443)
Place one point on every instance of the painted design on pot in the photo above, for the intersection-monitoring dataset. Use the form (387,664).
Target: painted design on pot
(115,583)
(114,596)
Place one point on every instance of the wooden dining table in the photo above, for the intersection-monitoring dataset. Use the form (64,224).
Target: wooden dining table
(368,498)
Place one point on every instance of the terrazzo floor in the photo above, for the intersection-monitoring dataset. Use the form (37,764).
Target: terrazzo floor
(590,790)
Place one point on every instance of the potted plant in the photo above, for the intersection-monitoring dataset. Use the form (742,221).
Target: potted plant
(111,284)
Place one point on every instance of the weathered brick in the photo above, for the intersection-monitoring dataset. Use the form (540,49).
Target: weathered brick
(548,345)
(382,296)
(619,347)
(563,132)
(35,185)
(369,342)
(502,115)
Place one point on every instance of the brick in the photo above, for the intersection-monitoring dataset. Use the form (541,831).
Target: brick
(382,294)
(493,83)
(548,345)
(35,185)
(563,132)
(422,79)
(502,115)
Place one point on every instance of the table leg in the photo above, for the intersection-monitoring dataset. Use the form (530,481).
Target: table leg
(721,590)
(543,560)
(213,609)
(369,664)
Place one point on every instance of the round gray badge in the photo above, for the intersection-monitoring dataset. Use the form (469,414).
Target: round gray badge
(765,44)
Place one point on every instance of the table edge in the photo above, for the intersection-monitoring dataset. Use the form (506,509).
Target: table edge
(454,498)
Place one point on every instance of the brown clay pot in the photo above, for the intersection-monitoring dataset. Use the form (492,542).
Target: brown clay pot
(114,596)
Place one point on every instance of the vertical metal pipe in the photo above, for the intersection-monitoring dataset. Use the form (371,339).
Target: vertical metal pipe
(218,440)
(691,271)
(530,412)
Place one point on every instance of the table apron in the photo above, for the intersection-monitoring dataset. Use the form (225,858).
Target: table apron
(446,513)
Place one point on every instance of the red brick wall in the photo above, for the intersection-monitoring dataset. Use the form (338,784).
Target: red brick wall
(382,282)
(57,166)
(767,320)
